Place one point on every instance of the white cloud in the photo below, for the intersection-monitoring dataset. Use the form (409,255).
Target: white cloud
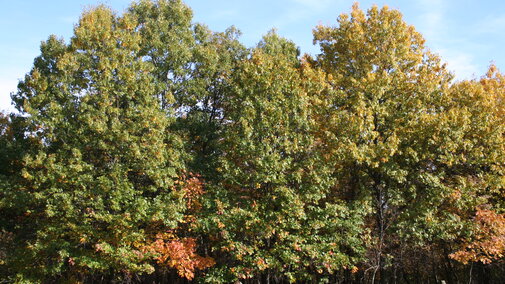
(69,19)
(431,18)
(492,25)
(461,63)
(314,4)
(303,9)
(439,36)
(427,4)
(224,14)
(432,23)
(6,87)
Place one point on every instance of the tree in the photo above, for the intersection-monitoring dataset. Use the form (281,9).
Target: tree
(104,178)
(168,43)
(191,65)
(401,137)
(13,146)
(484,243)
(271,214)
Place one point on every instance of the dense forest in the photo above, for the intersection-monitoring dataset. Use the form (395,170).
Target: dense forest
(150,149)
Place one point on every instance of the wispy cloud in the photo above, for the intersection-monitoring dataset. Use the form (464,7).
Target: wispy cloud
(491,25)
(6,87)
(303,9)
(463,64)
(224,14)
(435,28)
(431,18)
(69,19)
(314,4)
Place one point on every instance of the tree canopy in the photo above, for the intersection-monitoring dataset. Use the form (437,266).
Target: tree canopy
(151,149)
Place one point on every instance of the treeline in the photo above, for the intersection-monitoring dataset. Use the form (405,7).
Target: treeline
(150,149)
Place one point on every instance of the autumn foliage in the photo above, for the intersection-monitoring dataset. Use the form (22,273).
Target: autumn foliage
(488,242)
(150,149)
(178,254)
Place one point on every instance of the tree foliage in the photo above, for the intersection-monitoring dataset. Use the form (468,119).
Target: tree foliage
(149,148)
(275,213)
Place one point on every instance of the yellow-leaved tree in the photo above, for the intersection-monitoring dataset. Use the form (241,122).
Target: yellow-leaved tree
(420,151)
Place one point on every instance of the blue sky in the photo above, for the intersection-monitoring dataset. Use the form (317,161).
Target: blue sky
(467,34)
